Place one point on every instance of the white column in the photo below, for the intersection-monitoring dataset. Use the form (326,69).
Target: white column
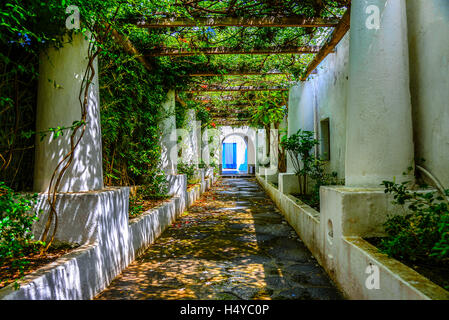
(199,140)
(274,150)
(256,151)
(169,151)
(205,150)
(251,138)
(190,148)
(60,75)
(294,117)
(379,138)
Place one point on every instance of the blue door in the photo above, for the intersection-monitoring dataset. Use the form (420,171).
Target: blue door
(229,155)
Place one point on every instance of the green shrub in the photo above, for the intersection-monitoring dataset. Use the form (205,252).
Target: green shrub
(16,221)
(308,165)
(155,186)
(299,146)
(135,206)
(422,234)
(203,165)
(189,170)
(321,178)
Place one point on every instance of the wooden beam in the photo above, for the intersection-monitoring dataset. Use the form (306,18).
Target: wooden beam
(211,100)
(227,50)
(241,89)
(225,108)
(337,35)
(129,47)
(236,73)
(230,119)
(226,112)
(230,123)
(304,22)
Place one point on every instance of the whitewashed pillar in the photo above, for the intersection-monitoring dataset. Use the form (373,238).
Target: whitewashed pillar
(205,150)
(60,75)
(169,153)
(190,148)
(379,138)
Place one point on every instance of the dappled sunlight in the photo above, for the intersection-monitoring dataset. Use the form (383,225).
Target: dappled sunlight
(231,244)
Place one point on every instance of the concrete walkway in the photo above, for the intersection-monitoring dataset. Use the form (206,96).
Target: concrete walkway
(232,244)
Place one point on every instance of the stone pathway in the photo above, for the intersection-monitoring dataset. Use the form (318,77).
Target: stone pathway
(232,243)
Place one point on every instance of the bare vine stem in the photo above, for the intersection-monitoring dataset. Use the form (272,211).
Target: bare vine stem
(55,181)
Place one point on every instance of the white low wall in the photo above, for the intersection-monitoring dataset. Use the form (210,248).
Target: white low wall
(193,194)
(288,183)
(109,241)
(335,237)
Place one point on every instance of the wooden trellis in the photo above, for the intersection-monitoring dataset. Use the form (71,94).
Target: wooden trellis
(226,50)
(340,25)
(296,21)
(240,89)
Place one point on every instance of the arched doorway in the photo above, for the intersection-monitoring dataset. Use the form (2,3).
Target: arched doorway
(234,154)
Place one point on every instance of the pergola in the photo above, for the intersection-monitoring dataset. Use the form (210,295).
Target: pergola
(203,18)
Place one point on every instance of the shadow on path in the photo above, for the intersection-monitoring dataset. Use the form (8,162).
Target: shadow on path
(231,244)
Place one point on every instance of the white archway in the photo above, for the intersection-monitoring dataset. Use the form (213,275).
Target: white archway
(244,135)
(234,154)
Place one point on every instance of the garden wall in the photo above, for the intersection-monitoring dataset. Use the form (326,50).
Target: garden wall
(99,222)
(335,236)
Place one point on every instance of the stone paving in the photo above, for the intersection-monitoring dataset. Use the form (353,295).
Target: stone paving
(233,243)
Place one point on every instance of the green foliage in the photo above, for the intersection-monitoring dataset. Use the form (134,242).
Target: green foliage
(203,165)
(267,108)
(181,114)
(306,164)
(244,38)
(16,220)
(422,233)
(203,115)
(321,178)
(299,146)
(184,105)
(189,170)
(181,110)
(143,193)
(28,27)
(135,206)
(130,114)
(155,186)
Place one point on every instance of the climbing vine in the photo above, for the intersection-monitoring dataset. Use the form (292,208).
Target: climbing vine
(131,91)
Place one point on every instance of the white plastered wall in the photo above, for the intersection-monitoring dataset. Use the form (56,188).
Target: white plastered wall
(428,29)
(323,96)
